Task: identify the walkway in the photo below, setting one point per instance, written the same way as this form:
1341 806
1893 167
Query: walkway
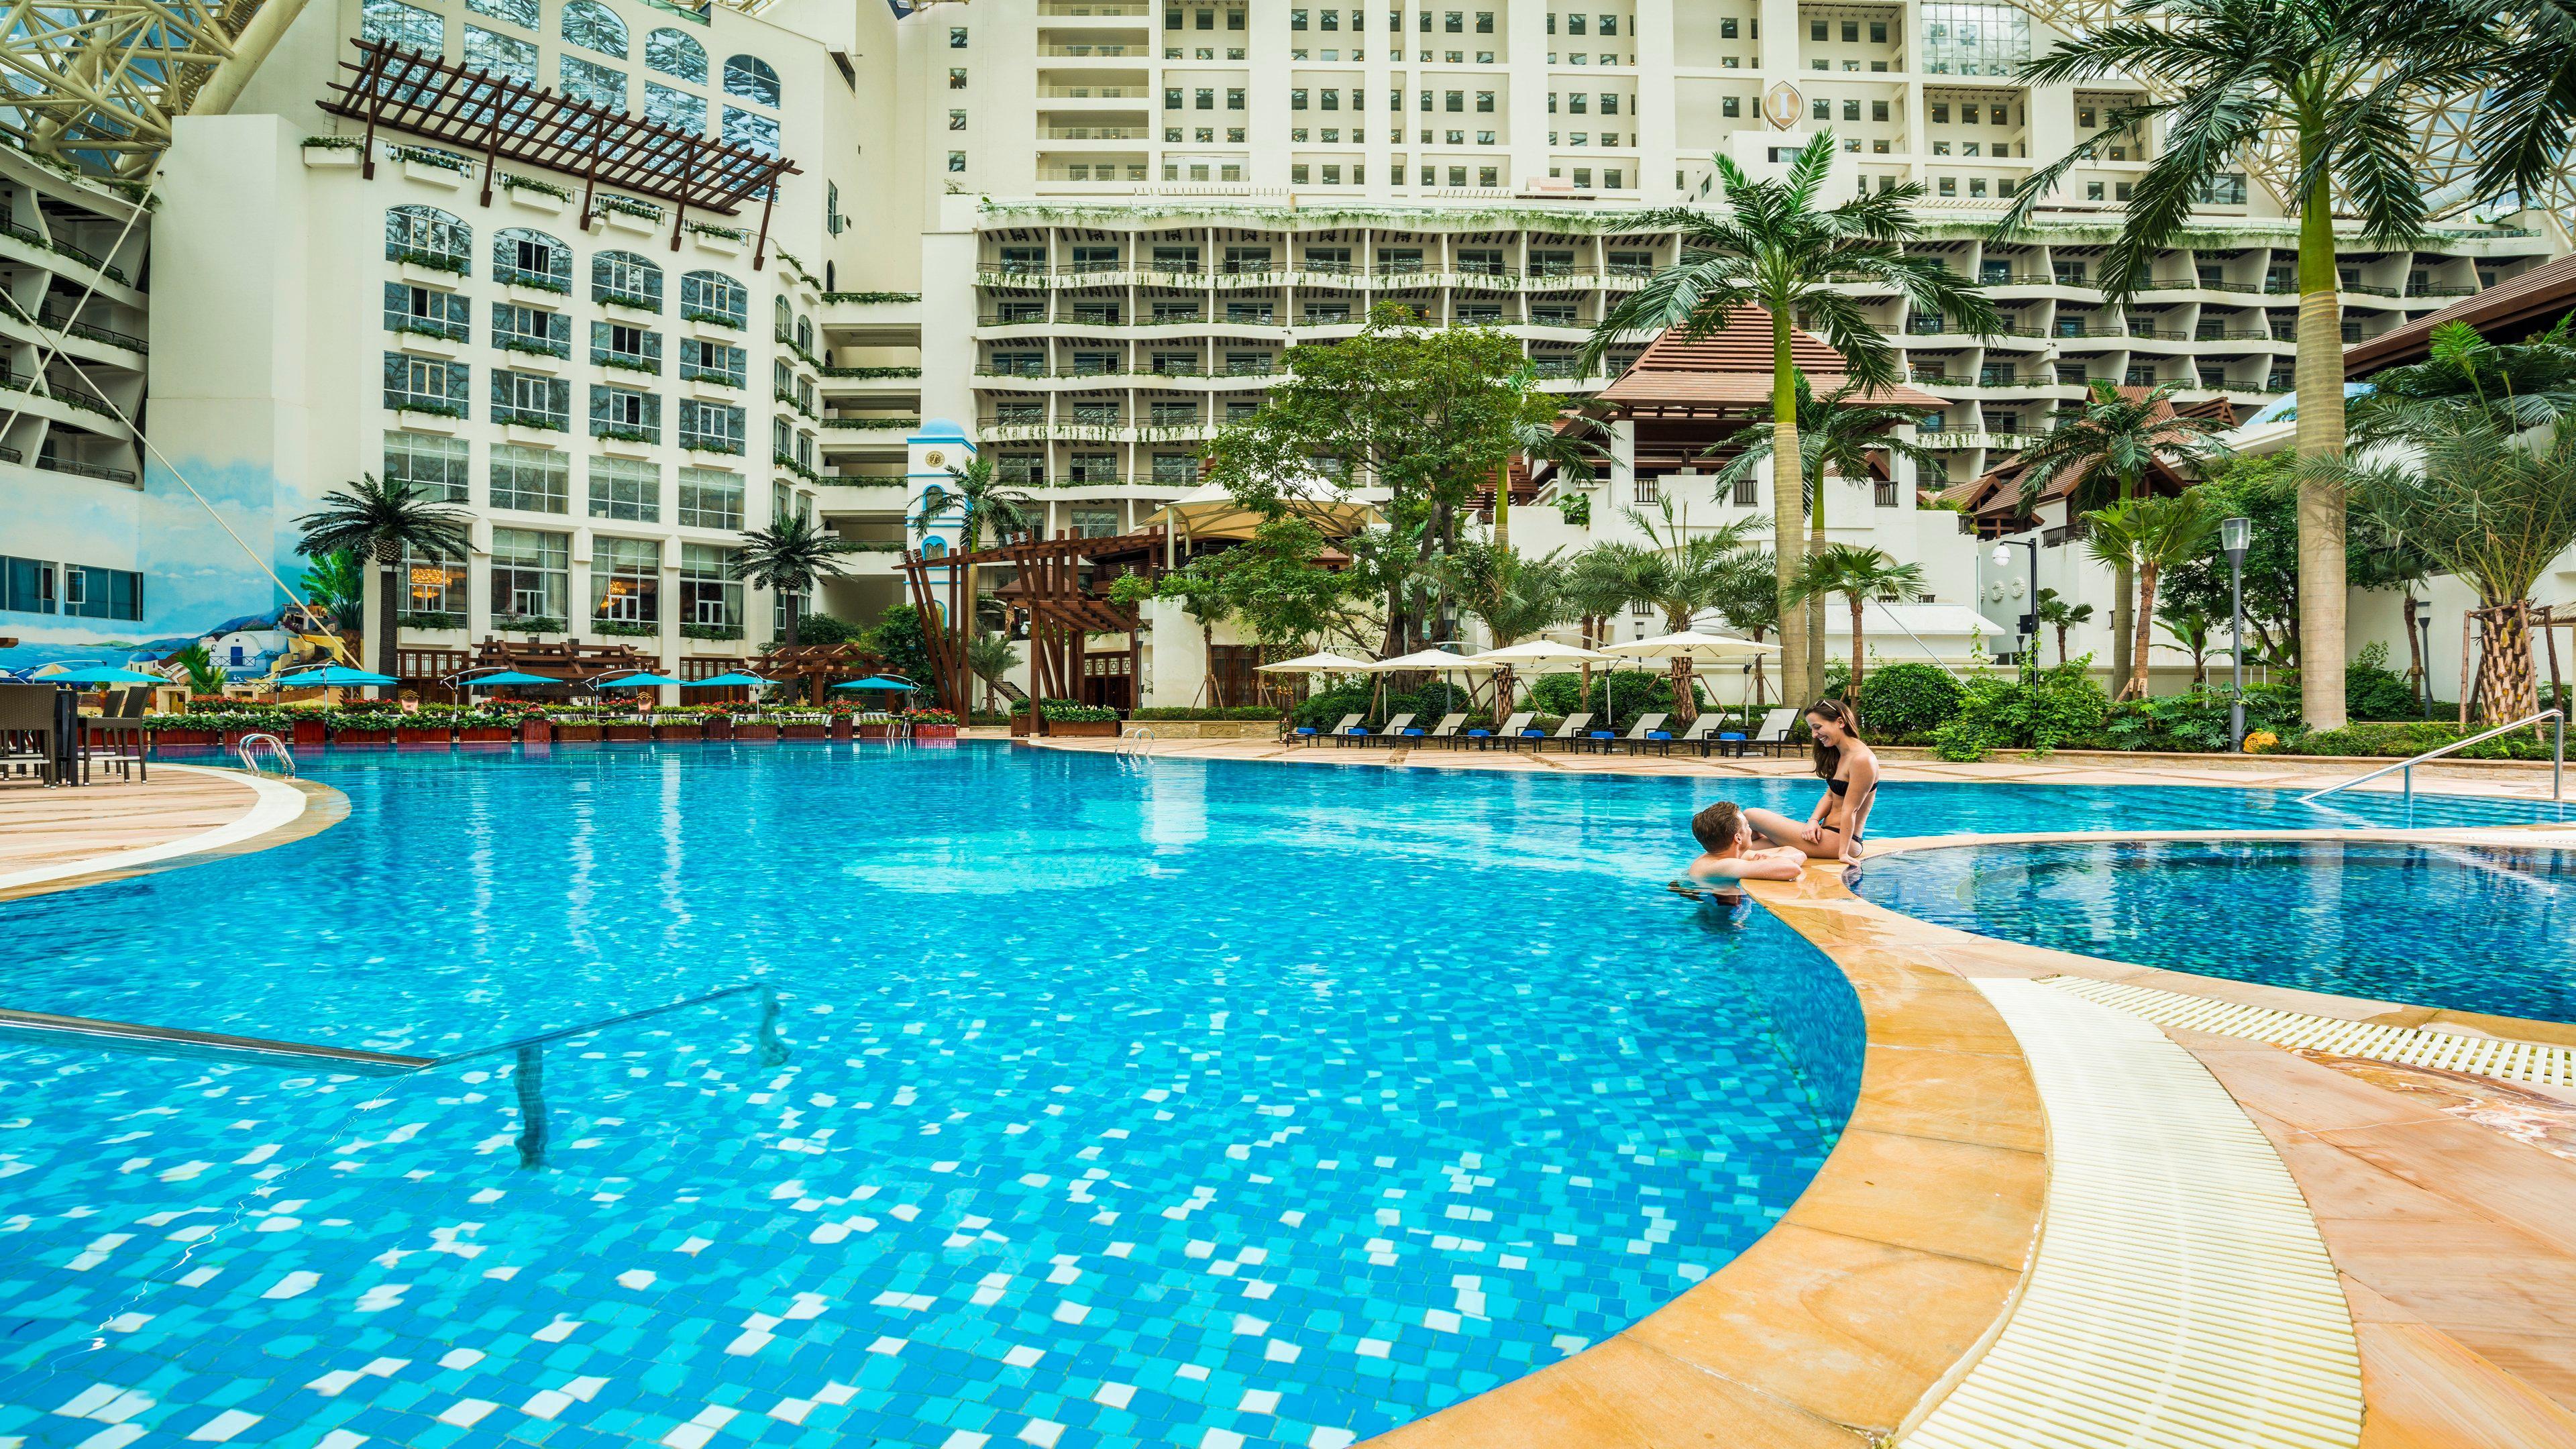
53 839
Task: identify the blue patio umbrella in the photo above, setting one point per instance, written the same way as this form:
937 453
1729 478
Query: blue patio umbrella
876 681
333 675
505 677
633 681
735 680
99 674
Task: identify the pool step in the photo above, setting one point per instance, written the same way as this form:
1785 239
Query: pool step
2181 1294
2510 1061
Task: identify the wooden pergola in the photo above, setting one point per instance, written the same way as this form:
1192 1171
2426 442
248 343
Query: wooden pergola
1059 584
817 667
570 662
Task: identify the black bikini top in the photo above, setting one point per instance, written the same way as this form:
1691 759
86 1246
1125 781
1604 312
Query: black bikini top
1839 787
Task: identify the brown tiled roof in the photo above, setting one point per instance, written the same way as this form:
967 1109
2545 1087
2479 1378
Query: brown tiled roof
1996 493
1731 368
2526 302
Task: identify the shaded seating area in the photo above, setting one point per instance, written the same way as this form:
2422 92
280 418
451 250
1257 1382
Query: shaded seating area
808 671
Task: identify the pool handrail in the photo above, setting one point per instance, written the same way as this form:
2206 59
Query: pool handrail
2557 759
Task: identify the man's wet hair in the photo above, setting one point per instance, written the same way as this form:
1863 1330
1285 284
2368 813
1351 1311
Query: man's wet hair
1718 826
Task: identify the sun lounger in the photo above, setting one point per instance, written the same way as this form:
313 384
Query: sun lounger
1446 732
1511 730
1773 736
1662 741
1308 734
1570 732
1393 732
1646 726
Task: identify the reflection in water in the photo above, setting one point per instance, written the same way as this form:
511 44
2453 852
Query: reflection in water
531 1081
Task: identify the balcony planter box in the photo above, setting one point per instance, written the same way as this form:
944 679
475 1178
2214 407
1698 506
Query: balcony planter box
707 387
693 731
623 447
802 731
752 730
630 732
311 732
434 175
483 735
934 732
535 731
418 422
628 221
526 436
341 737
576 734
320 157
841 724
180 738
418 735
533 199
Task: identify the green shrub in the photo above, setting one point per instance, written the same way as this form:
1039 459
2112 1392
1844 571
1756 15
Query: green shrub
1325 708
1068 711
1428 703
2399 739
1248 711
1557 694
2373 691
2196 720
824 629
2064 707
1908 701
1634 692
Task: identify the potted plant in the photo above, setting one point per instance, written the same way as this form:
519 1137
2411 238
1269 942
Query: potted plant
310 730
719 724
536 729
630 728
1068 718
755 727
577 729
482 727
932 724
803 729
427 728
179 731
361 727
679 725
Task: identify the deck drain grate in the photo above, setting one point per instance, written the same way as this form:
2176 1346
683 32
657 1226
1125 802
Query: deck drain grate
2510 1061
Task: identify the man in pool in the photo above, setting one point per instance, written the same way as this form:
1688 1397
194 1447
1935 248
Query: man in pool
1726 858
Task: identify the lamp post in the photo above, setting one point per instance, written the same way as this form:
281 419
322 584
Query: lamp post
2424 622
2233 535
2028 623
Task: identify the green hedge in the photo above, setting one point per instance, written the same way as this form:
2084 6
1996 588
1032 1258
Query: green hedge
1248 711
2398 739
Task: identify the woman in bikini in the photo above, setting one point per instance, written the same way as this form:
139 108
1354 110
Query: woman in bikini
1832 831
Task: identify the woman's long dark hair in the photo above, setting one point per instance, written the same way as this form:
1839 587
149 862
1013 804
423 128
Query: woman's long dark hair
1829 758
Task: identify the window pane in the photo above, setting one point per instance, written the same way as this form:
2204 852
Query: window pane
750 77
676 109
602 85
594 26
625 488
434 465
502 55
710 498
534 479
675 55
395 23
517 12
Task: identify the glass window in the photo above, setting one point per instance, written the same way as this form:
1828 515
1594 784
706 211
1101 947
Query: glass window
676 55
585 80
425 311
522 13
626 488
679 110
528 329
531 400
625 581
530 258
624 412
594 26
710 498
93 593
714 297
753 131
537 480
625 345
31 586
435 587
1974 39
710 597
500 55
394 23
626 279
710 427
531 573
702 360
750 77
425 385
434 466
430 237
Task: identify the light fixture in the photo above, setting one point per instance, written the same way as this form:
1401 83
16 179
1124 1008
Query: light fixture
2002 554
2234 534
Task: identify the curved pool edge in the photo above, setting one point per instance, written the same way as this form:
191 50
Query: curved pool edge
1871 1296
279 812
1998 952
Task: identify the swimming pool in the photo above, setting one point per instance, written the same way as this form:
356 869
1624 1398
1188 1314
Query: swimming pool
1194 1104
2470 928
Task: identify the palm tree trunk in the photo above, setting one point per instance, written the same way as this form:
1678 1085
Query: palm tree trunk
1503 504
2124 582
1503 692
2061 643
2320 435
1851 692
1685 708
2415 672
388 601
1788 513
1816 606
2136 688
2506 690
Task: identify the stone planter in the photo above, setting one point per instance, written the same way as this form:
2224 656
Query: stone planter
757 732
577 734
340 737
934 732
421 736
483 735
1210 729
803 731
630 733
692 731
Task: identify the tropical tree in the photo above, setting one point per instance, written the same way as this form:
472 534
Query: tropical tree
1836 434
380 522
1775 247
1749 602
1682 573
2191 629
986 506
789 558
2331 87
1512 595
337 582
2146 536
1859 575
2494 508
991 657
198 667
2513 385
2101 455
2057 614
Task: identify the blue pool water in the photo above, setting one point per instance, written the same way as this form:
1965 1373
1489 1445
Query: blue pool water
1190 1104
2473 929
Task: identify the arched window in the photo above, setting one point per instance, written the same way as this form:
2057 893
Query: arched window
529 258
934 548
783 319
429 236
517 12
594 26
750 77
625 278
714 297
805 333
676 55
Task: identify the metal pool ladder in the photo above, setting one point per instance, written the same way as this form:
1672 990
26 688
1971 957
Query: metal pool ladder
2557 760
248 749
1135 741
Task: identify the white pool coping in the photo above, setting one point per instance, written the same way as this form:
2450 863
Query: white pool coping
278 804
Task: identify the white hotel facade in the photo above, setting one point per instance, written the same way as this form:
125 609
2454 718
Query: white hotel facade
1077 235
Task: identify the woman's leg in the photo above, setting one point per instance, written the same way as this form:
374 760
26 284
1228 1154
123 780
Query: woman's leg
1779 829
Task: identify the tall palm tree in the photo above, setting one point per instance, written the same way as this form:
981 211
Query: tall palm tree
1776 247
1685 572
2331 83
2101 456
1513 596
2148 536
2057 614
379 522
789 558
1836 434
1859 575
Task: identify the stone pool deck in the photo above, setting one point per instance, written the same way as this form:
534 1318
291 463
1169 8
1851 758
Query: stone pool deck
2445 1202
58 839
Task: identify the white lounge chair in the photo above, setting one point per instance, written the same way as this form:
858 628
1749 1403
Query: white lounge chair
1697 733
1394 731
1570 732
1510 731
1646 724
1308 734
1446 732
1773 736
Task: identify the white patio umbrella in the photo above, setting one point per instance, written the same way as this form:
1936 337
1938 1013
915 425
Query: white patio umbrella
1438 661
1321 662
1537 654
1694 646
